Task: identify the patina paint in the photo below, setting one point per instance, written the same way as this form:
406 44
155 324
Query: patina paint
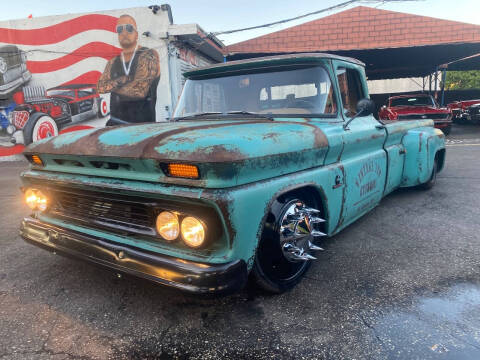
244 165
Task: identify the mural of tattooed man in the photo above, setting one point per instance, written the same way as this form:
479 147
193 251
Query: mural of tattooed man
132 77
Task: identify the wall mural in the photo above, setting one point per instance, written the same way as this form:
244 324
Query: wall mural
67 73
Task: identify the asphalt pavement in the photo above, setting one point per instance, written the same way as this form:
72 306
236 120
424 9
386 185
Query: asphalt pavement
403 282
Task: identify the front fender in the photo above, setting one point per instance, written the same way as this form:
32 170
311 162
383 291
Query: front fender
421 145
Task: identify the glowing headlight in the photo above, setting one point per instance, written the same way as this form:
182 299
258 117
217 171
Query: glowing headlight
36 200
167 225
193 232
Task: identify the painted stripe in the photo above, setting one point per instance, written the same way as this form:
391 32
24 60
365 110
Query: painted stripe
58 32
95 49
75 128
54 51
12 150
90 77
55 78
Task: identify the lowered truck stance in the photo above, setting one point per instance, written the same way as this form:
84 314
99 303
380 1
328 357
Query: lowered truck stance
261 160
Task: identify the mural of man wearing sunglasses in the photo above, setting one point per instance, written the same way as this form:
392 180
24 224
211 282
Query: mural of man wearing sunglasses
132 77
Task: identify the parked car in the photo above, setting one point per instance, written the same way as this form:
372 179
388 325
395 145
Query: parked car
262 159
418 106
461 111
43 113
13 70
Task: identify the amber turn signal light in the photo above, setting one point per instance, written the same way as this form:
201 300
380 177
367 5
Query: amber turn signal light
183 170
35 159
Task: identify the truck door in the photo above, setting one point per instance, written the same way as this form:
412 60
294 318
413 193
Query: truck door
363 158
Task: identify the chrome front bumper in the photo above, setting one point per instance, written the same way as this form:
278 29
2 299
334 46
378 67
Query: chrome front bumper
185 275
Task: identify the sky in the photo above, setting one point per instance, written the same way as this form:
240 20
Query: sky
216 15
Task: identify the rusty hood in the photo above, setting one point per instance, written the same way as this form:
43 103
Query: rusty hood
227 153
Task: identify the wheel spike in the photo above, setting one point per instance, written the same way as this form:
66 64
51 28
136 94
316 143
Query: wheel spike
314 247
318 233
316 220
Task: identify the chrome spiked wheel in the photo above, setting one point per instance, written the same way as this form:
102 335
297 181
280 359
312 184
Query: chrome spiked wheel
286 246
297 232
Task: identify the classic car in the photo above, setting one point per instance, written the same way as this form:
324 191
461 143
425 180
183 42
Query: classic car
262 159
13 70
418 106
461 111
42 114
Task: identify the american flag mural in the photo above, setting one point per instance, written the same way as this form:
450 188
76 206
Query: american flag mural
50 68
66 52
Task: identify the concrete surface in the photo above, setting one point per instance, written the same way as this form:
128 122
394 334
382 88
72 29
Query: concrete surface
403 282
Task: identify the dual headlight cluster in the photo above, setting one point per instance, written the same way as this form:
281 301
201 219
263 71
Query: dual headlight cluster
191 229
168 224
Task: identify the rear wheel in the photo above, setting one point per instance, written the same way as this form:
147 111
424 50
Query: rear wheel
102 107
285 249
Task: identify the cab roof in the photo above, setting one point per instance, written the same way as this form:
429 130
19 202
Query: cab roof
300 58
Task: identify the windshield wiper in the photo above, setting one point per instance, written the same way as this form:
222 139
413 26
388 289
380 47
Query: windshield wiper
239 112
242 112
196 115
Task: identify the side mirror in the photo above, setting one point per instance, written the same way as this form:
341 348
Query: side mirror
365 107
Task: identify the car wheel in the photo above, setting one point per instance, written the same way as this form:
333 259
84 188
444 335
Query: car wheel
285 249
103 108
39 126
433 178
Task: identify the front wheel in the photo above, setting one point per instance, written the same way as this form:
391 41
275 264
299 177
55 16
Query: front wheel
285 249
39 126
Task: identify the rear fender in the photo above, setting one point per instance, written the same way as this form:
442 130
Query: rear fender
421 145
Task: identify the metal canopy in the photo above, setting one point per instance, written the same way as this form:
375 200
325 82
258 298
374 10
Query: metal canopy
404 62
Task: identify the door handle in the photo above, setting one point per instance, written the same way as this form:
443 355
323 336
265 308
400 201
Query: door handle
379 127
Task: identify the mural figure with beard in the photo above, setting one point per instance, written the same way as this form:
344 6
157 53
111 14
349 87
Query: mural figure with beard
131 78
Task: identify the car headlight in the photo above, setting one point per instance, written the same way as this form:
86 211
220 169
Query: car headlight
3 66
36 200
193 231
167 225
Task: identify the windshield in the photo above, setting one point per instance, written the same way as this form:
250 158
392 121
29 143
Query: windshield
412 101
299 91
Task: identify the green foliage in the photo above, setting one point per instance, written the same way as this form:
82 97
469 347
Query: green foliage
462 80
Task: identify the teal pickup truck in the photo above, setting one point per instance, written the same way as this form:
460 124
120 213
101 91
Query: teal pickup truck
262 158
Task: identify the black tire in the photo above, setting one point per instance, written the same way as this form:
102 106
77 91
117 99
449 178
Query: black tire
433 178
271 270
29 128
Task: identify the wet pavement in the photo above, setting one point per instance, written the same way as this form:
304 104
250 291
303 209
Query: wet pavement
403 282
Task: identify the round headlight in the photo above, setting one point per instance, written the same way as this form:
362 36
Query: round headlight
31 199
3 66
36 200
167 225
42 201
193 232
11 129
